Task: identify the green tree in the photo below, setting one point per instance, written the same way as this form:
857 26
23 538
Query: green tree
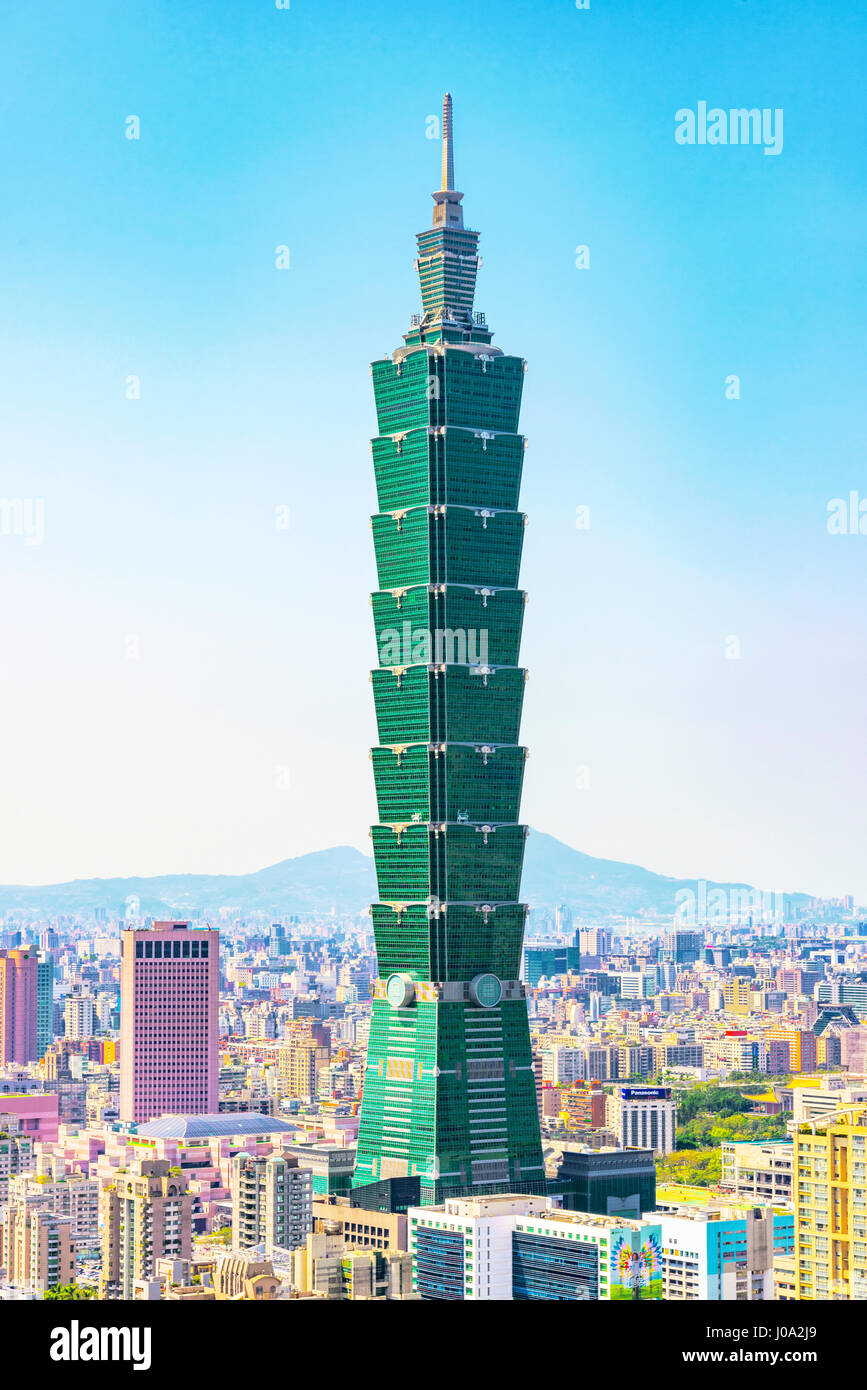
696 1168
61 1292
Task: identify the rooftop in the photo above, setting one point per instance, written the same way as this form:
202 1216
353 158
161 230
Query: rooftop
678 1199
245 1122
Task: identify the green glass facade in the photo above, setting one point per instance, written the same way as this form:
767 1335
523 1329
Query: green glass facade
449 1090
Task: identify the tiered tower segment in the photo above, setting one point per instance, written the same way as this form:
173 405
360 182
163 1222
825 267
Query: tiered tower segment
449 1089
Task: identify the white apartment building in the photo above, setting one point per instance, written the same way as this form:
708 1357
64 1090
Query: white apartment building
563 1066
78 1016
74 1197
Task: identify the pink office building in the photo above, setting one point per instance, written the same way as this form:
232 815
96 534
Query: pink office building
18 993
169 994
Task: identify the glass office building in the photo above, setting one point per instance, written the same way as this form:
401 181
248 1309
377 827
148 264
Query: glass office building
449 1090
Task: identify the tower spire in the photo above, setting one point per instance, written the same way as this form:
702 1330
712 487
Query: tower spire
448 211
448 182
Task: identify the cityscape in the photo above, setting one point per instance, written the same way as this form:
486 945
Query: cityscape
475 1063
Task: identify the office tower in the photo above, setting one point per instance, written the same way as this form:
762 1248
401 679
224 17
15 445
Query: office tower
563 917
449 1091
548 961
609 1182
272 1202
146 1216
595 941
682 947
642 1117
829 1189
278 942
78 1016
522 1249
19 992
38 1248
44 1002
169 992
330 1166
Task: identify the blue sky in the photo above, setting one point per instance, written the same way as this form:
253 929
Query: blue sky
185 684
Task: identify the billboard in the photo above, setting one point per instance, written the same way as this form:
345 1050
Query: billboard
636 1264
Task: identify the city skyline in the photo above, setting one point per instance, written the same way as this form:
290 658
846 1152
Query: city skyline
165 591
343 716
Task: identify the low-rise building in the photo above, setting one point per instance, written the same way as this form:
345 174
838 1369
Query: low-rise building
366 1230
758 1171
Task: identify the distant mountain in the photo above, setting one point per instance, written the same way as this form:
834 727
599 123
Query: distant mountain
342 879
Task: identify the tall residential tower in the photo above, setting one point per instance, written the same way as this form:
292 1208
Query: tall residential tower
449 1090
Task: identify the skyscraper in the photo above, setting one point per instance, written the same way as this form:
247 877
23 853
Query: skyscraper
169 996
19 980
449 1091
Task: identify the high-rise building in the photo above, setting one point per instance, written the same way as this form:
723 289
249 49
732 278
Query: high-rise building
736 994
331 1166
44 1002
549 960
300 1062
272 1202
78 1016
829 1190
38 1248
449 1090
66 1194
19 983
802 1046
682 947
642 1117
146 1216
169 990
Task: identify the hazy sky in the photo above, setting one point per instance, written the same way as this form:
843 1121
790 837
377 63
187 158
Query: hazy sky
184 682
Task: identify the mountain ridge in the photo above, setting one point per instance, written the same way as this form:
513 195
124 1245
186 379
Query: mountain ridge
342 879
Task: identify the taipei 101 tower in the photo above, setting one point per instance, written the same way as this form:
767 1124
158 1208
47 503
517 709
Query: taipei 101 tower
449 1089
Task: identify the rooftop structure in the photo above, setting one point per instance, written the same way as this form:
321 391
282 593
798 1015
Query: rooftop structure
214 1126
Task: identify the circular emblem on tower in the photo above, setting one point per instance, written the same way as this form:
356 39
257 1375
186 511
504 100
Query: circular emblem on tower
486 991
399 991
